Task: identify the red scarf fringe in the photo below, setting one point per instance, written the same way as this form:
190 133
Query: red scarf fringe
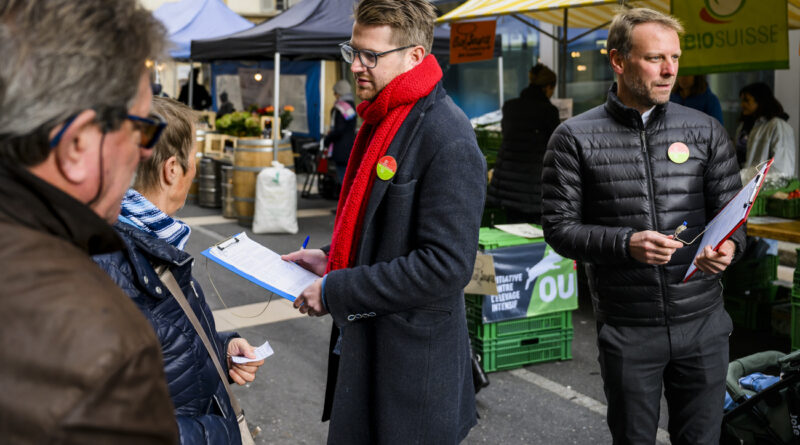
383 117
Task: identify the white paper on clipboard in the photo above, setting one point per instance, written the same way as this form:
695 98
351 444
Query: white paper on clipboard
733 215
260 265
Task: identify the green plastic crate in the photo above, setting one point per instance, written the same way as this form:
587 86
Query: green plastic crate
489 238
524 326
784 208
509 353
795 333
759 206
748 274
749 312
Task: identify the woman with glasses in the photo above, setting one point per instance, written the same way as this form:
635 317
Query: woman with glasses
155 239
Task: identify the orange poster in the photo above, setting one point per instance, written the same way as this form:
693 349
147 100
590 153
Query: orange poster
471 41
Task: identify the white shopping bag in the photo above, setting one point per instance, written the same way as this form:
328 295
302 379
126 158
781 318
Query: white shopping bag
276 200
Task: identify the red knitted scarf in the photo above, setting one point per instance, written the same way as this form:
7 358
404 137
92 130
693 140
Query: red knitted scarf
382 118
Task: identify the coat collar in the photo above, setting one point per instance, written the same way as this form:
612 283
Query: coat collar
27 200
628 116
398 149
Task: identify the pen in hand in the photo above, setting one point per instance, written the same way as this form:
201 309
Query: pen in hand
305 242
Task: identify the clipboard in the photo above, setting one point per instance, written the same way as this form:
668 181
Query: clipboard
260 265
731 217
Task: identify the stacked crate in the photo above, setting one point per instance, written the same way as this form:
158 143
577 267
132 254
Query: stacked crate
750 292
795 332
514 343
489 141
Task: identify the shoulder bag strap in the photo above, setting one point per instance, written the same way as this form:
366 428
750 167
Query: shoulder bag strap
169 280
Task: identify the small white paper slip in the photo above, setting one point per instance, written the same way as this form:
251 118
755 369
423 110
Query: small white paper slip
262 352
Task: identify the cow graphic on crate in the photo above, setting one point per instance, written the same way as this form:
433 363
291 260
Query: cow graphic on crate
545 264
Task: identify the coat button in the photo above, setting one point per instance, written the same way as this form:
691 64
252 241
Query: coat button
351 317
146 280
158 290
372 314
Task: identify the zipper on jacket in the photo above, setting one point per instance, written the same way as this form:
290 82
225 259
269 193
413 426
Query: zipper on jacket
653 219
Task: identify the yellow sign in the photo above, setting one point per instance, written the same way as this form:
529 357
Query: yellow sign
732 35
471 41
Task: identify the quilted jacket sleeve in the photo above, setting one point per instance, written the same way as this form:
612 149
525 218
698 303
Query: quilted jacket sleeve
207 429
562 201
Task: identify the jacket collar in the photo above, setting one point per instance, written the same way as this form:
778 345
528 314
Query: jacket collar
145 252
534 93
628 116
29 201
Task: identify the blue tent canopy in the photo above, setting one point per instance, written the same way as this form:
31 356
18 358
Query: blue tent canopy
197 19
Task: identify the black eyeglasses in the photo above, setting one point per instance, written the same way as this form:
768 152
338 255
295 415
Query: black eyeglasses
367 58
150 129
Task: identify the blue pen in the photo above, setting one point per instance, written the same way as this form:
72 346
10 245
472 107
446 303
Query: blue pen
305 243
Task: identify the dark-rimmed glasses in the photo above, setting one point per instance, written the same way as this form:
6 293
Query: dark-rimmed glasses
150 129
367 58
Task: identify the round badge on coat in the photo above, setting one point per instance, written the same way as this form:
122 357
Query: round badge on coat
678 153
387 166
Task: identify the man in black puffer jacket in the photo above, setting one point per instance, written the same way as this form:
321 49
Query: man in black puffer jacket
618 180
528 122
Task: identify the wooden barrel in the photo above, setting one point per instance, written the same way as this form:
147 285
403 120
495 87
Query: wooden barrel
250 156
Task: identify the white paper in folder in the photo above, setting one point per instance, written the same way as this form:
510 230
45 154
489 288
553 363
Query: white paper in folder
261 265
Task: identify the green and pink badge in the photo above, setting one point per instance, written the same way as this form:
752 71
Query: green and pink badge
678 153
387 166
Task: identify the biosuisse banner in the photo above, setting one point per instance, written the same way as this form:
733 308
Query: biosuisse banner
532 279
732 35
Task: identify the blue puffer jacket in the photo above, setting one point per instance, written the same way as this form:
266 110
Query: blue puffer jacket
202 406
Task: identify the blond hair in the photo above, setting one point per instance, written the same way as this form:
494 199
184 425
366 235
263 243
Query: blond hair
176 140
411 20
621 29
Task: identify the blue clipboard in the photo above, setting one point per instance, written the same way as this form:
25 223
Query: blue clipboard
222 245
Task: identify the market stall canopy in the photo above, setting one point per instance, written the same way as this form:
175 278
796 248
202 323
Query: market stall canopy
582 13
311 29
197 19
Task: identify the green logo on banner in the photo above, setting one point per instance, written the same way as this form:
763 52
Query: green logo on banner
732 35
555 284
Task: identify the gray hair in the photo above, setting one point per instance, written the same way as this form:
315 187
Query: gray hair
65 56
621 29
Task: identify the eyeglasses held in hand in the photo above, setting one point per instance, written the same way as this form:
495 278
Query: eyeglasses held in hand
150 129
367 58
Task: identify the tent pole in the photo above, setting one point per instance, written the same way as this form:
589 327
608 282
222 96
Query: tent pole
276 88
191 83
562 63
500 80
321 98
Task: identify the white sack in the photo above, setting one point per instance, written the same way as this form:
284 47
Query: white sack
276 200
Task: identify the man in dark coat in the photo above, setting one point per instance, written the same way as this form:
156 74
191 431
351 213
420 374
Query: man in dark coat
404 244
80 365
618 181
528 121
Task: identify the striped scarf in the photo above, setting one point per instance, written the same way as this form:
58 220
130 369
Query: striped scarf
142 214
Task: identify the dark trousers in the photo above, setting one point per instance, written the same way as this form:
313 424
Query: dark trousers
689 361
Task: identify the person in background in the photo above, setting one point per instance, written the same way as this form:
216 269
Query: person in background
342 134
763 132
225 106
79 364
153 237
618 181
403 246
694 92
201 100
528 121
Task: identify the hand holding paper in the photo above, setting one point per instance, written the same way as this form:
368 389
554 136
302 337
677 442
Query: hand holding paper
244 360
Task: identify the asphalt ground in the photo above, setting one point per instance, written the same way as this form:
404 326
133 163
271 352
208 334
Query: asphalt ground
549 403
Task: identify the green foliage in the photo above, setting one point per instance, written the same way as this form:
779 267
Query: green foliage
239 124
